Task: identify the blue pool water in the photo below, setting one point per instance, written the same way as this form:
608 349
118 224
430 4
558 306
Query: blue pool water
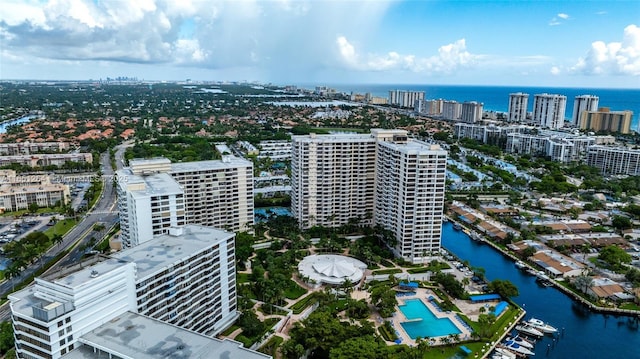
266 211
429 326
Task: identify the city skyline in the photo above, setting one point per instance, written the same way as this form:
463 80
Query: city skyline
588 44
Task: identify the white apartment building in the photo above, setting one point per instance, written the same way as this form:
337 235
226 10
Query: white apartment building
614 160
27 148
583 103
18 192
185 278
381 179
429 107
471 112
405 98
486 133
409 196
560 147
332 179
275 150
40 160
451 110
518 103
154 339
155 194
548 110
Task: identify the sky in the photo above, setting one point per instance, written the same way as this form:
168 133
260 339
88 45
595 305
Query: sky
566 43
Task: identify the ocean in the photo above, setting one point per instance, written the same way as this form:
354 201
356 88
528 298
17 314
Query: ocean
496 98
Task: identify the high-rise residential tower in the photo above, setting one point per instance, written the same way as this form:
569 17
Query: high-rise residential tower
471 112
383 179
518 107
548 110
404 98
155 194
583 103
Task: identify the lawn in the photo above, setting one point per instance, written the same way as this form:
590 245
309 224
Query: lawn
271 346
387 271
294 291
242 278
300 305
61 227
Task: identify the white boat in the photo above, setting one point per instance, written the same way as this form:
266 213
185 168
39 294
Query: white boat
542 326
521 341
529 330
517 348
520 265
501 353
531 271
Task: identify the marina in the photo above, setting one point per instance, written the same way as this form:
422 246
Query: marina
581 333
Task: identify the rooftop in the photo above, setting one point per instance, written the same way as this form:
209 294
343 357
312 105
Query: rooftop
167 249
154 184
136 336
226 162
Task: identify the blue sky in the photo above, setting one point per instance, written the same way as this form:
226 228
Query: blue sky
527 43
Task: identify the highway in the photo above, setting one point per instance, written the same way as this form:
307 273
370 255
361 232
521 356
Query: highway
104 211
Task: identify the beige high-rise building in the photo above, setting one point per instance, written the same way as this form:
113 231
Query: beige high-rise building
155 194
606 120
383 179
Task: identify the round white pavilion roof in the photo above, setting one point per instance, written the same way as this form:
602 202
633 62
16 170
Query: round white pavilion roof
332 269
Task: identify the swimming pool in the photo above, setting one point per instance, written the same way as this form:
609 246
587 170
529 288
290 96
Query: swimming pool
429 325
266 211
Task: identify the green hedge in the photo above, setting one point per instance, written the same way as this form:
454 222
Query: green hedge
387 271
300 305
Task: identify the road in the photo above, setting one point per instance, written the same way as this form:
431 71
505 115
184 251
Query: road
104 211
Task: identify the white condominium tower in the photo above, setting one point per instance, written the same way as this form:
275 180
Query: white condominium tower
185 278
548 110
471 112
383 179
155 194
332 179
518 107
583 103
405 98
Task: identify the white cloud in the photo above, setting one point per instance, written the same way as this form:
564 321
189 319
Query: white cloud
205 34
555 70
559 19
614 58
450 58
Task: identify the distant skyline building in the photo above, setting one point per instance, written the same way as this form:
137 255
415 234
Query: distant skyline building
583 103
155 194
185 278
371 180
549 110
451 110
606 120
518 103
404 98
471 112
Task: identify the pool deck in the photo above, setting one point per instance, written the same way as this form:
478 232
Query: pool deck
423 294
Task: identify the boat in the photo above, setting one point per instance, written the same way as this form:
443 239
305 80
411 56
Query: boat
501 353
531 271
529 330
517 348
520 265
466 231
542 326
457 226
521 341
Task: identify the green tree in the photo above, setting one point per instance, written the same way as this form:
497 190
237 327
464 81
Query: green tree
6 337
621 222
33 207
360 347
384 299
614 256
505 288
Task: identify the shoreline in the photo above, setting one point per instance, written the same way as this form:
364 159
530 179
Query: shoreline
563 289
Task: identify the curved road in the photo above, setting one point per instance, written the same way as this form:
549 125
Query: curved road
104 211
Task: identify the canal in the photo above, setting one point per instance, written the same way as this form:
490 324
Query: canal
586 334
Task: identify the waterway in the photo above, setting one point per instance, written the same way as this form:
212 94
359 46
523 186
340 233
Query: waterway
17 121
586 334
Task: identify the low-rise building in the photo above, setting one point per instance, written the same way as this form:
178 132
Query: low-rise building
18 192
41 160
27 148
557 265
